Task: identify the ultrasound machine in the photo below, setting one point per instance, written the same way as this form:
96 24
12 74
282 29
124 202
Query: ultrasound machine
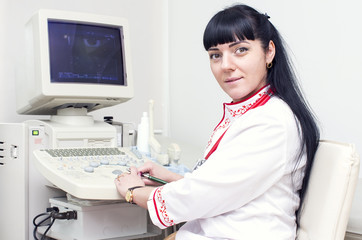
57 175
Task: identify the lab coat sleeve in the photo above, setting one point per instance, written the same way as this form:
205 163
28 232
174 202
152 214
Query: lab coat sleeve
251 157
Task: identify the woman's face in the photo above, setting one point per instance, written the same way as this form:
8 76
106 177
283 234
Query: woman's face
240 67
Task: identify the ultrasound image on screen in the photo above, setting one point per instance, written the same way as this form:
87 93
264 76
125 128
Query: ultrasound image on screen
82 53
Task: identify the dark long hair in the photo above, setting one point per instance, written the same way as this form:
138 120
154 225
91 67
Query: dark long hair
242 22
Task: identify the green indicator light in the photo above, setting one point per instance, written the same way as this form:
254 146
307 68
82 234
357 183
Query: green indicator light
35 132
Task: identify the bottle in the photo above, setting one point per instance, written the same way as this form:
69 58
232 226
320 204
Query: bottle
143 134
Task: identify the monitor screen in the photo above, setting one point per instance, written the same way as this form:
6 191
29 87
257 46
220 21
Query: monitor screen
82 53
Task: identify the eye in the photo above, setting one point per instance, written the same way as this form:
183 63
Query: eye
241 50
214 56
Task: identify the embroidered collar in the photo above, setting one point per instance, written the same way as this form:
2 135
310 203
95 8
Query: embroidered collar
233 111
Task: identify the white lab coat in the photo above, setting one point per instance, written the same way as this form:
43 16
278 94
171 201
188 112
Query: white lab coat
246 189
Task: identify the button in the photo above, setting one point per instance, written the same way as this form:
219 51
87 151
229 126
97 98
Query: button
117 172
89 169
122 162
94 164
104 162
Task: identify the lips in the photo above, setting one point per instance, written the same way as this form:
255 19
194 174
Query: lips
234 79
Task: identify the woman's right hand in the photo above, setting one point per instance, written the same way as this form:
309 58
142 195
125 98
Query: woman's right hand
158 171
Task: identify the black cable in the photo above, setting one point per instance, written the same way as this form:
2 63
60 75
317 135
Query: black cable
64 215
48 228
53 214
36 225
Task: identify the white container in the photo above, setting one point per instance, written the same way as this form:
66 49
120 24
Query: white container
143 134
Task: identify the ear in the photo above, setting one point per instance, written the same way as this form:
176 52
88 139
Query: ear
270 52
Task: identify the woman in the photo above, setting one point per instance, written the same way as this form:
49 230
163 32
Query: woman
258 159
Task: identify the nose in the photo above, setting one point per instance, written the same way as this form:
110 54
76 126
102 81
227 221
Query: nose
227 63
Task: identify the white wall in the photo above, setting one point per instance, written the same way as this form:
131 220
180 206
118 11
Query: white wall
146 18
324 37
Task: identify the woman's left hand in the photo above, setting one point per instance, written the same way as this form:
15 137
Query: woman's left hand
125 181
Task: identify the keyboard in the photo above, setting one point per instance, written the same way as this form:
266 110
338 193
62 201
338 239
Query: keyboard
87 173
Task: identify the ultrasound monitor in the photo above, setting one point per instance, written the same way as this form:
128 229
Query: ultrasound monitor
74 60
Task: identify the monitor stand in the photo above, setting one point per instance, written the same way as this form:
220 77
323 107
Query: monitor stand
73 116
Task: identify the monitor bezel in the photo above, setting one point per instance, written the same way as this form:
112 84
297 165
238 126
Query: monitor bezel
43 97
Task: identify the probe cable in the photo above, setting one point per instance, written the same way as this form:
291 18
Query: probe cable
40 224
53 214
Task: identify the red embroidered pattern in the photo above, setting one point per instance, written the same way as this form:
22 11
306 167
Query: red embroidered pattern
161 210
240 111
225 125
244 108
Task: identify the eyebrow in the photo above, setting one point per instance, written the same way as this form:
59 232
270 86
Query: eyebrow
231 45
236 43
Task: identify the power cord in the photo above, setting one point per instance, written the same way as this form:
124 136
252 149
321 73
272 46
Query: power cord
51 215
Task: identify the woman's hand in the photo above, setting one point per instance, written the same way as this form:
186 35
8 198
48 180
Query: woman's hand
125 181
158 171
